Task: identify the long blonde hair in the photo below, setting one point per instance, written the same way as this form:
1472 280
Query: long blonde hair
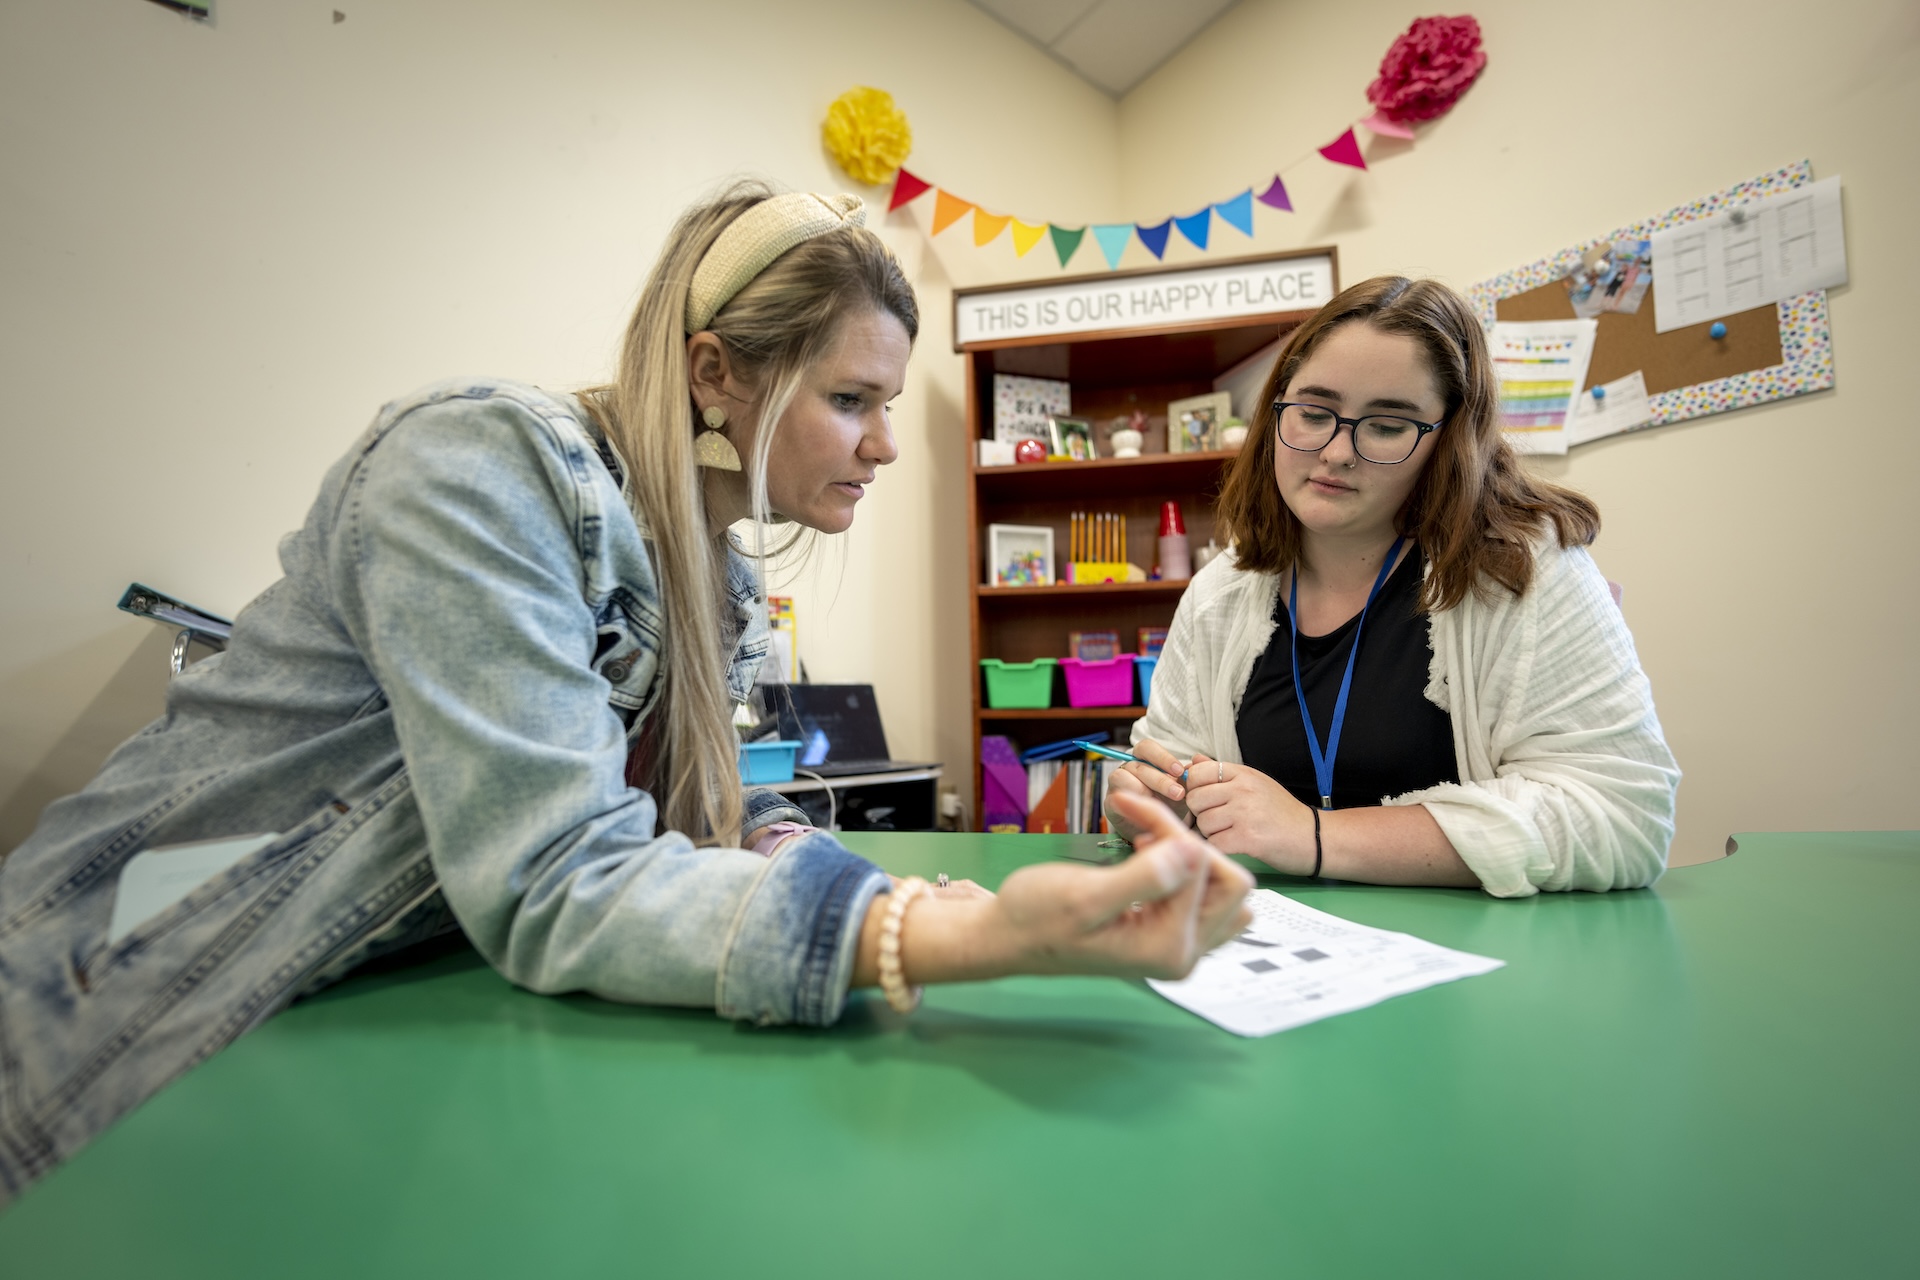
774 330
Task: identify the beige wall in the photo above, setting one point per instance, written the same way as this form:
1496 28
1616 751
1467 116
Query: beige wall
227 246
1768 555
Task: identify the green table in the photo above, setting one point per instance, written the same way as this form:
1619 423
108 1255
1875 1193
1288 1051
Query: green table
1717 1077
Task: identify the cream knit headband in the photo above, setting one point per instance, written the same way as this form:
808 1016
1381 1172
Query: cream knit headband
755 238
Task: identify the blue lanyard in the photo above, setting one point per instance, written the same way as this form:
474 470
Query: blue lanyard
1323 761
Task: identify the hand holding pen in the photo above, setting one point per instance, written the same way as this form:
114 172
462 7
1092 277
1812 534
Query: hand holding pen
1151 769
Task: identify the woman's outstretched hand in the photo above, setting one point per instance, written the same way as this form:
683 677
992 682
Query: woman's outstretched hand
1152 916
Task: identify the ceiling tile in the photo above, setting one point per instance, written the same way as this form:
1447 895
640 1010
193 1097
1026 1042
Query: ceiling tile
1041 21
1121 42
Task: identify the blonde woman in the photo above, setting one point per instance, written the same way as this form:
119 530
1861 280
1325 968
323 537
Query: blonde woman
1408 670
494 692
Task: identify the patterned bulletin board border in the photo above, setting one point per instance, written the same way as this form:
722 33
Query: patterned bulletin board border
1806 342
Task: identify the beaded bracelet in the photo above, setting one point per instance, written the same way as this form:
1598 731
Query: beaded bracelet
893 982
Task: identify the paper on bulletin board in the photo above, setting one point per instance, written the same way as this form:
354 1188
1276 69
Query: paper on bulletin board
1541 366
1621 406
1760 251
1800 362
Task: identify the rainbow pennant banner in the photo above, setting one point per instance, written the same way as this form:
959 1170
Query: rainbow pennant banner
1195 228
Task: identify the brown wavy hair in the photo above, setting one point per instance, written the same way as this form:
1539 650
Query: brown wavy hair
1474 511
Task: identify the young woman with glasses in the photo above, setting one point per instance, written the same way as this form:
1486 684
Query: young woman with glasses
1474 712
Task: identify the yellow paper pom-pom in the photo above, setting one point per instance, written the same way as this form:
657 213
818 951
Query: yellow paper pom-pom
867 134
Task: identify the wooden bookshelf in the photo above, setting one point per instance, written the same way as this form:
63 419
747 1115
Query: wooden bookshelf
1111 373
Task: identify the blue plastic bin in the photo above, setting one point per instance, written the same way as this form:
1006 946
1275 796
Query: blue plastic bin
768 761
1145 667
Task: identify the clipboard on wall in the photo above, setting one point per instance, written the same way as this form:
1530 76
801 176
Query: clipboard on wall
1769 353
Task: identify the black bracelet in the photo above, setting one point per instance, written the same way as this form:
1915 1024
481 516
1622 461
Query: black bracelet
1316 846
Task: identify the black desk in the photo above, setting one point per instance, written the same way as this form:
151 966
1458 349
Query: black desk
900 800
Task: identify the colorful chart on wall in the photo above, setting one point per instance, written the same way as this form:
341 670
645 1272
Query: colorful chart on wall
1765 353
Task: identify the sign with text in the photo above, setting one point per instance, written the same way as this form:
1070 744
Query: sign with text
1115 304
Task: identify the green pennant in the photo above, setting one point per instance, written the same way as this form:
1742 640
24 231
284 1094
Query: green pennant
1065 241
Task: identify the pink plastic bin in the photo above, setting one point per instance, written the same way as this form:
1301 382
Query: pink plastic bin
1099 684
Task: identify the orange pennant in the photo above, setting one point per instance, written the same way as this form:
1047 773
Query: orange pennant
988 225
1024 236
947 210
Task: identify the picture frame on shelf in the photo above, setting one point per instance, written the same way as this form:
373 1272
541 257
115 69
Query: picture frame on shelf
1070 438
1193 424
1019 555
1022 406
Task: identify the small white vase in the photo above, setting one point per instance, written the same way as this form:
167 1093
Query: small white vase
1233 437
1126 443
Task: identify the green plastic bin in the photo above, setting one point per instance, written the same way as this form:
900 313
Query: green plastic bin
1019 684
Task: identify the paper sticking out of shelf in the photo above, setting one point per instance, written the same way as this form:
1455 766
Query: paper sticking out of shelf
1294 965
995 453
1762 251
1244 382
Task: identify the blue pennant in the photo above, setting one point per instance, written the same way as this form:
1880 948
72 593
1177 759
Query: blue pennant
1196 226
1155 238
1237 212
1113 237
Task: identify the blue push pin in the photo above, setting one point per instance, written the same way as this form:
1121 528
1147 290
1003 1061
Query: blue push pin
1599 393
1718 331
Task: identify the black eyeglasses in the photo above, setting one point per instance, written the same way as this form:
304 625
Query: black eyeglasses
1380 438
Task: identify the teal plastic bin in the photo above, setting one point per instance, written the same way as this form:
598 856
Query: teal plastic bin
1145 667
762 762
1019 684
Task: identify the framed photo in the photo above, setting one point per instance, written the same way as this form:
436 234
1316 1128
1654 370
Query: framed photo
1193 424
1070 438
1021 406
1019 555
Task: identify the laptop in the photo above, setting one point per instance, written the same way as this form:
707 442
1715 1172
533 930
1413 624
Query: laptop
838 727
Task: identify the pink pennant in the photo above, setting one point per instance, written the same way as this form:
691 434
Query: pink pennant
1345 149
1379 123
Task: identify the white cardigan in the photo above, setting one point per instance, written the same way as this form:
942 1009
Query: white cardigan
1566 780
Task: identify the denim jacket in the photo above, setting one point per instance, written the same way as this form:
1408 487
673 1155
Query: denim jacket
433 707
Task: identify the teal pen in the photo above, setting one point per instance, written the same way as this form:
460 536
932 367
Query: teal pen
1114 753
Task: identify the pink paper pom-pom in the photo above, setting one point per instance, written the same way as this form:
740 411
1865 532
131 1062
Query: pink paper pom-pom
1428 68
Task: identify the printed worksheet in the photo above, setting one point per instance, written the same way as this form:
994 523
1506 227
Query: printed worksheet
1294 965
1755 253
1542 366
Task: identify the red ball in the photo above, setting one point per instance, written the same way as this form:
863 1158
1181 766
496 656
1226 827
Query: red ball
1029 451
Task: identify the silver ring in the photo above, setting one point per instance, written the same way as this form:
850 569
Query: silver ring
940 881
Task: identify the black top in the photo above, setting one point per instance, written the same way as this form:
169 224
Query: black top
1394 741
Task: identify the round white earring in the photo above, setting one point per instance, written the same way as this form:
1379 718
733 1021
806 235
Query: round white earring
714 416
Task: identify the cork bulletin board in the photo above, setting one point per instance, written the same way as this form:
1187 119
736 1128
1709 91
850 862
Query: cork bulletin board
1769 353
